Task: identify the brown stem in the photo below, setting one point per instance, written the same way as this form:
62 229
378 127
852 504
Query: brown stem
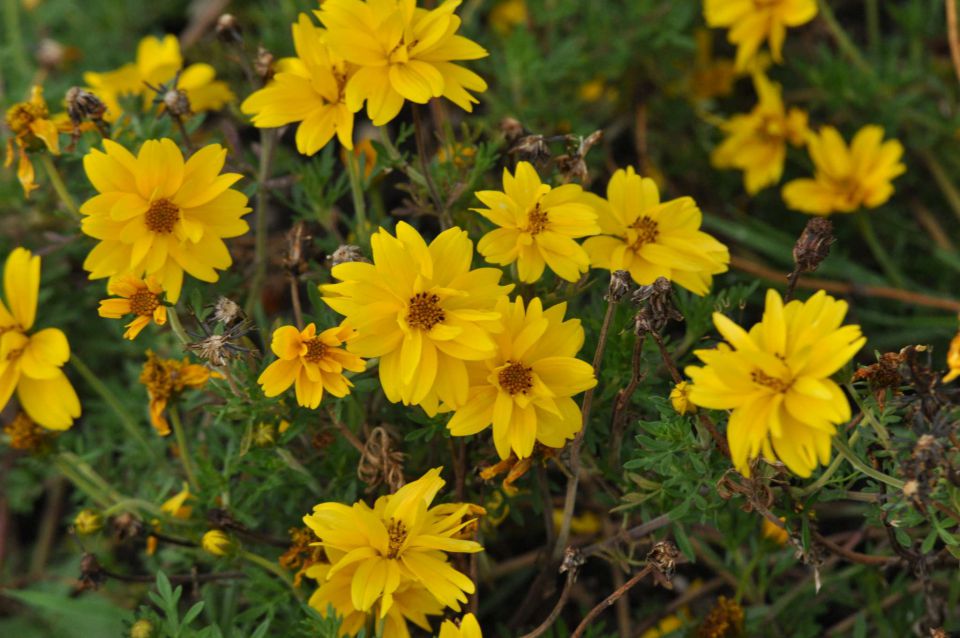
852 556
686 598
346 432
183 133
555 612
632 534
48 526
623 399
295 301
609 600
953 35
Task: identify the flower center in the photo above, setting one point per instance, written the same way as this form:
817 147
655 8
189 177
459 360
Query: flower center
316 349
760 377
21 116
425 311
647 232
143 302
536 220
161 216
397 533
515 378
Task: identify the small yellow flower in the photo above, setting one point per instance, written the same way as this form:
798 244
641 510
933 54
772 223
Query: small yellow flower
30 122
652 239
176 505
26 435
404 53
216 543
32 364
680 398
88 521
137 297
775 533
587 524
666 627
143 628
847 179
309 89
753 21
775 379
537 225
468 628
165 379
756 142
506 15
313 362
953 359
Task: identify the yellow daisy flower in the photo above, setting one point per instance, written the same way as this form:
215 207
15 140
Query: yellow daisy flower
953 359
309 90
157 63
756 142
652 239
404 53
32 364
525 389
468 628
314 362
751 22
847 179
775 379
158 215
165 379
400 540
537 225
422 311
29 122
136 297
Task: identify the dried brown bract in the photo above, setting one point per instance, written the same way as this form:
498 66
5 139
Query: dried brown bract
346 253
663 556
228 29
656 307
813 246
381 461
263 65
573 165
620 284
91 573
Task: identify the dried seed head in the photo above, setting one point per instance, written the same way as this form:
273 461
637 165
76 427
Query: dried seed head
228 29
126 526
263 64
656 307
84 105
813 246
664 556
620 283
346 253
176 102
572 560
512 130
51 54
573 165
531 148
226 311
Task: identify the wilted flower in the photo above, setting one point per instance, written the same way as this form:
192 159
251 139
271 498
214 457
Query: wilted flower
30 123
165 379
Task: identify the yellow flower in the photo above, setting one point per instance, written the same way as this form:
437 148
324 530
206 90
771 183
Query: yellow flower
158 215
525 388
401 540
753 21
143 628
651 239
176 505
158 62
422 311
88 521
680 399
953 359
29 122
775 379
587 524
666 627
310 90
136 297
508 14
26 435
164 380
314 362
216 543
538 225
31 363
756 142
468 628
411 603
775 533
847 179
404 53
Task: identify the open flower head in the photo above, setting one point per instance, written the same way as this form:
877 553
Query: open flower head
847 179
157 63
31 364
404 53
32 127
137 297
165 379
756 142
422 310
401 540
652 239
467 628
312 362
309 89
751 22
525 390
775 379
537 225
158 215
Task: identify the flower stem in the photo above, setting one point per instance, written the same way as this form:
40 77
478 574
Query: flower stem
57 182
273 568
830 471
359 205
419 132
940 176
844 43
396 156
869 417
879 252
856 462
181 437
66 466
174 320
268 140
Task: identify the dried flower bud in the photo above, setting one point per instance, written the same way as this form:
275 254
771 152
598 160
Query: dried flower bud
91 573
263 65
725 620
573 165
226 311
620 283
531 148
813 246
346 253
84 105
126 526
512 130
228 29
572 560
664 556
51 54
143 628
656 306
87 522
217 543
177 103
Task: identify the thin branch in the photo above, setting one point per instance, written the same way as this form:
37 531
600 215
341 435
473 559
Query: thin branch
555 612
610 600
953 35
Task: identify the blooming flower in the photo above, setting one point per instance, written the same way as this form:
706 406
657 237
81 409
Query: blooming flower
404 53
158 215
314 362
310 90
537 225
652 239
158 62
401 540
32 364
422 311
525 388
756 142
775 379
165 379
30 121
468 628
953 359
847 178
753 21
137 297
88 521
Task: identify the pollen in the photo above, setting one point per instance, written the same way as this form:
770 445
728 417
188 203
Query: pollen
424 311
316 350
760 377
162 216
516 378
537 220
647 232
143 302
397 534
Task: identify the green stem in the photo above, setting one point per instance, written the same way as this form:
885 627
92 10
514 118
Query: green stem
940 176
185 458
273 568
880 253
844 43
57 181
869 417
397 157
126 420
268 140
174 320
93 492
14 44
359 204
873 25
829 472
848 454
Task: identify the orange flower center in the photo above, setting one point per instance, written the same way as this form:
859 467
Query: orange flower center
20 116
537 220
760 377
316 350
397 534
424 311
515 378
162 216
647 232
143 302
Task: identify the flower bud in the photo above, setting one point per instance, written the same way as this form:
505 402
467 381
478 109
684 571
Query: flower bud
680 399
228 29
814 243
143 628
87 522
217 543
